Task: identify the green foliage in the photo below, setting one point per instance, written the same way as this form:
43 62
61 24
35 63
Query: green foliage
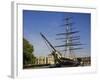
28 57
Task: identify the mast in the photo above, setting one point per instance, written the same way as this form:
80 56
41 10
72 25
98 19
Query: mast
70 39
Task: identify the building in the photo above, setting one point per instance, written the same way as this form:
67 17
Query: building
50 59
45 60
41 60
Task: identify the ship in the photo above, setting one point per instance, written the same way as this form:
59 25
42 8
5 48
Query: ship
71 43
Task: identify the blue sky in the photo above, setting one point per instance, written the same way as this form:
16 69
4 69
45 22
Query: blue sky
49 23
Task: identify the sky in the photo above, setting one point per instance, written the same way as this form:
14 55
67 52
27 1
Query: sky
50 23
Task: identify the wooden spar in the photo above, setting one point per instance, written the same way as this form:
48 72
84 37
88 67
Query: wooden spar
48 42
69 33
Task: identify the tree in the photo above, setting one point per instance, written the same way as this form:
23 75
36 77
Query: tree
28 49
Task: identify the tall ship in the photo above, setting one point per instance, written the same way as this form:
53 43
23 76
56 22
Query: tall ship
71 43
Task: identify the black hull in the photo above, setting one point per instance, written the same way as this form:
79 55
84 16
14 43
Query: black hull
66 62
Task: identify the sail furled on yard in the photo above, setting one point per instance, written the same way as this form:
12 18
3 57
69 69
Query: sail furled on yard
69 37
